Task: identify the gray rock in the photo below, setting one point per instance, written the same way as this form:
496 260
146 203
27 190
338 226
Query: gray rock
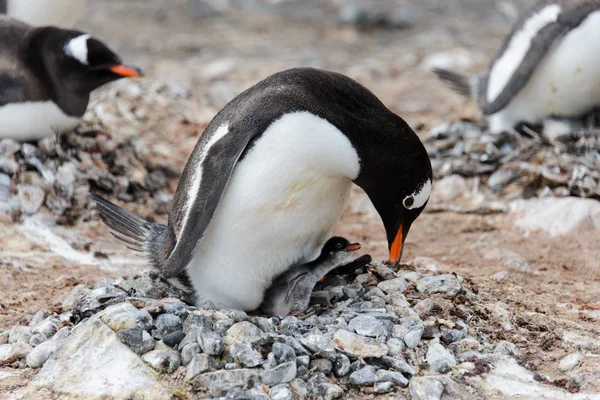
318 343
188 352
47 327
243 332
165 324
502 348
41 353
210 342
37 339
447 284
451 335
283 353
398 364
8 166
431 330
353 291
9 353
384 387
395 347
367 326
302 373
92 343
571 361
341 365
246 356
281 392
364 377
299 388
138 340
425 389
321 365
414 335
124 315
174 338
302 361
439 359
263 323
197 319
199 364
31 198
393 285
19 333
163 360
358 346
323 388
222 326
392 376
283 373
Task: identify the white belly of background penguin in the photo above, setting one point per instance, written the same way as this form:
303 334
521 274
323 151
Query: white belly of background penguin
269 178
549 66
33 120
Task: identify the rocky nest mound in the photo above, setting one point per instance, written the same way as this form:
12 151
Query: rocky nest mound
377 331
107 153
519 165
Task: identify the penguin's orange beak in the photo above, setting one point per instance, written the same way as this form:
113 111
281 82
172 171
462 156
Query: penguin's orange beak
352 247
125 71
397 246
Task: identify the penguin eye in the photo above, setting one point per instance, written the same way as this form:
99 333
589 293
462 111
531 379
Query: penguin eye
408 202
339 246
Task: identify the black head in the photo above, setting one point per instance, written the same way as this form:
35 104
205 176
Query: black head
335 245
396 175
74 63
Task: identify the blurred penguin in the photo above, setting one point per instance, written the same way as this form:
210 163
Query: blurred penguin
59 13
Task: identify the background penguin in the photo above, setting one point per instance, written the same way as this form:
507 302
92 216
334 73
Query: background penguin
548 66
60 13
271 173
291 290
46 76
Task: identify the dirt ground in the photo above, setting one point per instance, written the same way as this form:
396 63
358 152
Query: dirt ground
217 58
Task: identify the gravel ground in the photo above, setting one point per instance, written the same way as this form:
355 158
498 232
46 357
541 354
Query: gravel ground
525 297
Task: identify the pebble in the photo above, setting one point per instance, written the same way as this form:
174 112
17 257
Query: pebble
447 284
439 359
245 355
392 376
10 353
47 327
165 324
163 360
353 290
188 352
174 338
393 285
321 387
37 339
137 340
31 198
571 361
210 342
283 353
414 335
384 387
358 346
341 365
281 392
395 347
425 389
451 335
242 332
321 365
319 343
364 377
20 333
367 326
199 364
124 315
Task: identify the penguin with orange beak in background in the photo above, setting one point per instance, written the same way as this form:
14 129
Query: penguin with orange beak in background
271 174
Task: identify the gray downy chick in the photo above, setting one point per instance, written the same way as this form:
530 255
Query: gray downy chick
291 290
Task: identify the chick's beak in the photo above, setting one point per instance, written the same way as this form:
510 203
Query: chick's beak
353 247
126 71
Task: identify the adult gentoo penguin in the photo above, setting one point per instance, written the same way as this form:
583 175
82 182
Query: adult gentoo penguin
46 76
60 13
271 174
548 66
291 290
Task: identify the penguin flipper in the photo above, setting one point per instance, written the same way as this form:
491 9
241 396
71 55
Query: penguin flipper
206 176
547 37
460 83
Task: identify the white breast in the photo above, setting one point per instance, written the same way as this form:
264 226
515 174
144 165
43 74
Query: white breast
61 13
33 120
279 208
566 83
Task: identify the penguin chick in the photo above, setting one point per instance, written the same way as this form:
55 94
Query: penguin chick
547 67
291 290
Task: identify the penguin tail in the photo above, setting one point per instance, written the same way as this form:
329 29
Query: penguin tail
461 84
128 228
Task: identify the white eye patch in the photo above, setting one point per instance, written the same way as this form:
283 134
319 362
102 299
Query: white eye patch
77 48
419 197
